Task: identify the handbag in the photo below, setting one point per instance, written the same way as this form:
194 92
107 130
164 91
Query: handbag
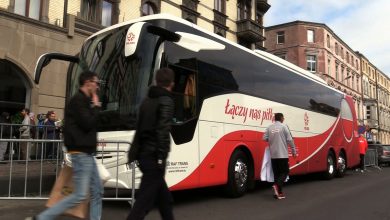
64 187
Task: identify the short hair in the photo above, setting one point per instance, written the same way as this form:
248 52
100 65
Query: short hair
164 77
85 76
49 113
27 110
278 116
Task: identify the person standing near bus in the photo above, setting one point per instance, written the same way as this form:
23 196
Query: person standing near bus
81 117
151 146
363 145
25 134
279 137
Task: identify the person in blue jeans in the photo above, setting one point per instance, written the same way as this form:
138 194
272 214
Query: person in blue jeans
81 116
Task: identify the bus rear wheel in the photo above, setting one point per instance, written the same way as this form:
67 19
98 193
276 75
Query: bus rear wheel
238 175
341 165
330 166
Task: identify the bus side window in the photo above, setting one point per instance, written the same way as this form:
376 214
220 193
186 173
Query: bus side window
185 97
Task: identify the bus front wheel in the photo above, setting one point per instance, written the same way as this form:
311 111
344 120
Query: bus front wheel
238 175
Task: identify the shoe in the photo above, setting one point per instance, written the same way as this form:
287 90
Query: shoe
31 218
281 196
276 191
362 171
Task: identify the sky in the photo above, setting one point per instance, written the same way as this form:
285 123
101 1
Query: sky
362 24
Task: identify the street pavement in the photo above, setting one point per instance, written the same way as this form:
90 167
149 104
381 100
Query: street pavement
357 196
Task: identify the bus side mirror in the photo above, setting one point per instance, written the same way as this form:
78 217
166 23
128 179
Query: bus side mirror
45 59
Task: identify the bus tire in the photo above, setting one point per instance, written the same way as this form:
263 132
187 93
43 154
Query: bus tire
330 166
238 175
341 165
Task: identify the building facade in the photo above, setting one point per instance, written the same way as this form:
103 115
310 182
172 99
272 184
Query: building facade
31 28
316 48
370 102
383 94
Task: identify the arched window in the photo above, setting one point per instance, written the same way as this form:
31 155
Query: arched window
14 88
148 9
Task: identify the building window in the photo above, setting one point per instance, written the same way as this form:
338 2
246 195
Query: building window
329 73
328 41
353 82
148 9
219 5
357 84
336 48
283 56
280 37
311 63
310 36
347 57
337 71
342 53
244 9
28 8
107 13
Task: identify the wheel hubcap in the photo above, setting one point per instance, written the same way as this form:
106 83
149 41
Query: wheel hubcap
331 165
240 173
341 164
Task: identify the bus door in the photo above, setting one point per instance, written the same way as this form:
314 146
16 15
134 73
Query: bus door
183 159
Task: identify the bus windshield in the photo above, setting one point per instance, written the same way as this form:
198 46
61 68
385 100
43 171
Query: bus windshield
124 80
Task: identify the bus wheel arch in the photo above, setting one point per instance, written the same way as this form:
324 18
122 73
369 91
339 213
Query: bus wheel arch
240 172
331 165
342 163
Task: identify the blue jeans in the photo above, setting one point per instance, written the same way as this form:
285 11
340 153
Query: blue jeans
86 182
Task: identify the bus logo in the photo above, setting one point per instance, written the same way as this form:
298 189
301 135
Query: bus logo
306 121
130 38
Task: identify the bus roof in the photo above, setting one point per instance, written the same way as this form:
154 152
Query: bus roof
262 54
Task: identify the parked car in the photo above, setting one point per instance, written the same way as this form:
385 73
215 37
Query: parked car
383 153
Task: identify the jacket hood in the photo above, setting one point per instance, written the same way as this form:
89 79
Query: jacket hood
156 91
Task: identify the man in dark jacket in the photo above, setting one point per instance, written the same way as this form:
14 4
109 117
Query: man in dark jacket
151 146
81 115
5 133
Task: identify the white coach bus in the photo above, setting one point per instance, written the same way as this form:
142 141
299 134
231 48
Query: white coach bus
225 97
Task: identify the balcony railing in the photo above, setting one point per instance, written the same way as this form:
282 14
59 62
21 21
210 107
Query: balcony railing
250 31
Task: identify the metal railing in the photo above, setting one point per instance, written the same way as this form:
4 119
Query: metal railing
371 158
33 179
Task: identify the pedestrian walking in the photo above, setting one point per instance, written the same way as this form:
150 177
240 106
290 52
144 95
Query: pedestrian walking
279 137
25 133
5 133
151 146
363 145
81 116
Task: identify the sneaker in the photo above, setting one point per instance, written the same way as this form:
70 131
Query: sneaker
281 196
30 218
276 191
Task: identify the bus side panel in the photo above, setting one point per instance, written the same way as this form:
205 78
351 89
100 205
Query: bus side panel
353 152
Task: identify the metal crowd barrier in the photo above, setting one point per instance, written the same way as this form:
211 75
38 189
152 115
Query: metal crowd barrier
33 179
371 158
36 132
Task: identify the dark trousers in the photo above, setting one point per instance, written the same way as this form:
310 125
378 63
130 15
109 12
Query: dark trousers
362 161
153 190
280 169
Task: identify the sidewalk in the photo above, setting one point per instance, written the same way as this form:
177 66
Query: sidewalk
36 174
20 209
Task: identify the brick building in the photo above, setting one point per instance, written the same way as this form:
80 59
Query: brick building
316 48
